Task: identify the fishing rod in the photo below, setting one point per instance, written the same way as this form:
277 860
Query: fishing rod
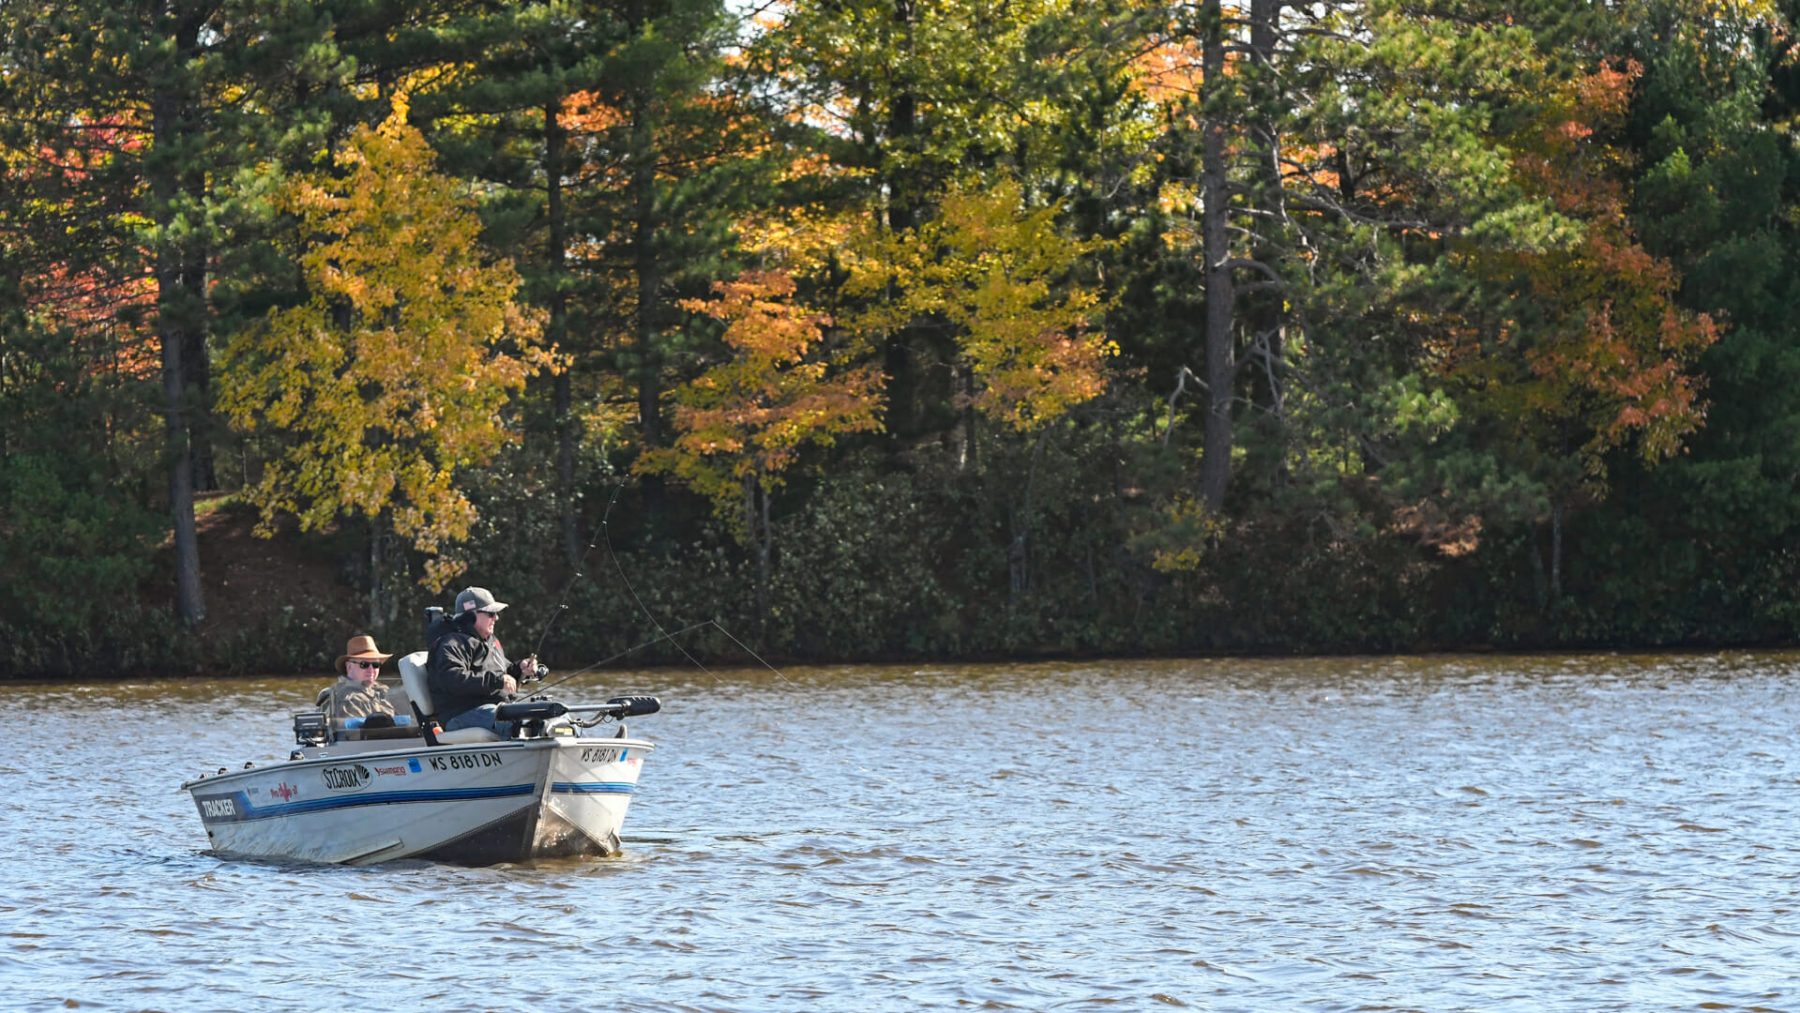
714 623
606 539
562 604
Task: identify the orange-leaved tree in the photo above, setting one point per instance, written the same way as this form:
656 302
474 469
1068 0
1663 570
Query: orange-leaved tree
392 374
1592 354
742 423
1618 367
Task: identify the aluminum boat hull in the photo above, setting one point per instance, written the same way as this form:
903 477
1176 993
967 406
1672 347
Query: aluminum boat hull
473 804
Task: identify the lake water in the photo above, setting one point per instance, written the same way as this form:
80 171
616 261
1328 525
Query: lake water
1598 832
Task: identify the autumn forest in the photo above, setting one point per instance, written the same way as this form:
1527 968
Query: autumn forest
897 329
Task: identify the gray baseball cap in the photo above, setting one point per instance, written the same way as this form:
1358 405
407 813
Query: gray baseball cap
476 599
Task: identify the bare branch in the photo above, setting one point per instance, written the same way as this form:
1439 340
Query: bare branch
1182 376
1255 265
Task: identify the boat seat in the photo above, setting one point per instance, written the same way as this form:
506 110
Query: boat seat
418 690
417 687
401 699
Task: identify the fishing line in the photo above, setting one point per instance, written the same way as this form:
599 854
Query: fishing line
662 634
606 537
621 654
714 623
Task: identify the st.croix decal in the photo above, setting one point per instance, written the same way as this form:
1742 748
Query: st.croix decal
346 777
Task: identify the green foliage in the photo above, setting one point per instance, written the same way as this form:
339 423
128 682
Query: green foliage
860 575
77 559
1510 348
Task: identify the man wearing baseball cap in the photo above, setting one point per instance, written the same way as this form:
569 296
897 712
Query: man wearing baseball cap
468 671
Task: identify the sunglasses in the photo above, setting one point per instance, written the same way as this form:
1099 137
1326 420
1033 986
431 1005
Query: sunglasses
366 664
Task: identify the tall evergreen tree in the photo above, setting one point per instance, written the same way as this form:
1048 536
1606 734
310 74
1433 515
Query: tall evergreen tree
1712 532
135 79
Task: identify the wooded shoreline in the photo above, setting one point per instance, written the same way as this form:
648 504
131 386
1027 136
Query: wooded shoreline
898 330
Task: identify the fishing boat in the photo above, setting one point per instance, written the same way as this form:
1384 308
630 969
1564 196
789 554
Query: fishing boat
559 786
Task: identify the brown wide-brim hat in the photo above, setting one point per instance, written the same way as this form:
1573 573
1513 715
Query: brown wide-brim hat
362 649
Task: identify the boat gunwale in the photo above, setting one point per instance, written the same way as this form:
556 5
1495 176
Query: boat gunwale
420 749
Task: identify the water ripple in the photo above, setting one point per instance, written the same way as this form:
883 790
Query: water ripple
1550 833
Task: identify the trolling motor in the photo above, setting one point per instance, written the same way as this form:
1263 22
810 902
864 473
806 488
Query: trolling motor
631 706
541 709
529 717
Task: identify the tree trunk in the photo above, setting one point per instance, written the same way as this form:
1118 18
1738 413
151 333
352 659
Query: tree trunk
557 328
180 299
968 448
649 282
644 255
903 124
377 568
1018 559
190 601
765 562
762 543
196 364
1018 552
1539 588
907 356
1556 552
196 361
1221 363
1264 314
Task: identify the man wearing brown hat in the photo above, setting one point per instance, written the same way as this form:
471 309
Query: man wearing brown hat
357 694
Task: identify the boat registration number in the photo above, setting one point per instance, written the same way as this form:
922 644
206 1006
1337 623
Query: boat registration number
599 756
465 761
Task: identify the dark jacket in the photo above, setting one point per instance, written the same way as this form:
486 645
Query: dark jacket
465 672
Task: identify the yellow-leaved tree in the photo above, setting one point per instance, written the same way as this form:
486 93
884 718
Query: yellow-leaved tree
742 423
1007 284
393 373
1001 274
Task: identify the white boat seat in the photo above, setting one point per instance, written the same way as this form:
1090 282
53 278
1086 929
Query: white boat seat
418 690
